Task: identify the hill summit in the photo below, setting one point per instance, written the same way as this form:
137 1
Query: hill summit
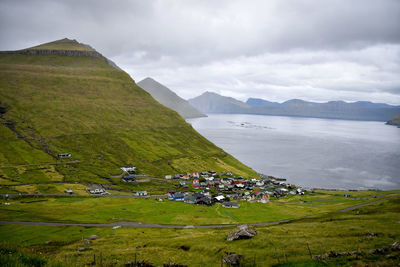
63 44
55 103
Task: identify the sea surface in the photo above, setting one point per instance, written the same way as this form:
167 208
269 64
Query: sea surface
310 152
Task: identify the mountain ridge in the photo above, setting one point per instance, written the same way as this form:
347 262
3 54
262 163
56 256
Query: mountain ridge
360 110
170 99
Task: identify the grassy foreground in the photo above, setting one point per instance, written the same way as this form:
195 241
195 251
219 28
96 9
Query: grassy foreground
366 228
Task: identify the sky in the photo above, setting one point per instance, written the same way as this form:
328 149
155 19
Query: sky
276 50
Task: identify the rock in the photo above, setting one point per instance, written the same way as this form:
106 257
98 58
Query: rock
395 246
93 237
242 233
86 242
232 259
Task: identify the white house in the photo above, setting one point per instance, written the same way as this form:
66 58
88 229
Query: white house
168 177
128 168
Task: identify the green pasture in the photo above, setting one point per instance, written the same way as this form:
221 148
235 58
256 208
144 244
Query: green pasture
285 243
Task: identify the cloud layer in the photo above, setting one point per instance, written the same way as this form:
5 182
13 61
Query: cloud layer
277 50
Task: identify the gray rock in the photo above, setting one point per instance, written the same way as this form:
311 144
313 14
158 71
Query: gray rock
93 237
244 232
232 259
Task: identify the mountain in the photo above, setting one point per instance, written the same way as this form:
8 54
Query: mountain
362 110
210 102
256 102
393 121
169 99
63 97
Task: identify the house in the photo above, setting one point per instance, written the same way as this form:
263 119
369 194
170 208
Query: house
177 197
189 199
168 177
264 199
346 195
196 175
68 191
239 185
64 155
182 183
231 205
260 183
129 178
96 190
203 201
128 168
141 193
185 177
219 198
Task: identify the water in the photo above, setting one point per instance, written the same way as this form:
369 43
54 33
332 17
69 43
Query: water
309 152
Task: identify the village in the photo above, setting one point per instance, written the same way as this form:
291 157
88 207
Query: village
212 187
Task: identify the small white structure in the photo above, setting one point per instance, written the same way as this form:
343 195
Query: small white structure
128 168
219 198
260 183
168 177
141 193
64 155
97 190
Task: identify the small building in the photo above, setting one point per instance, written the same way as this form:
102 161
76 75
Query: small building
189 199
233 205
141 193
129 178
96 190
219 198
128 168
168 177
203 200
177 197
68 191
196 175
346 195
64 155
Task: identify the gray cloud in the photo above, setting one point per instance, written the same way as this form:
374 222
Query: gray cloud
317 50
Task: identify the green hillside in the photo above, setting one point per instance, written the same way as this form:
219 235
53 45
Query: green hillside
51 104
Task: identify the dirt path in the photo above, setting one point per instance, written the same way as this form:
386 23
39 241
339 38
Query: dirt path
150 225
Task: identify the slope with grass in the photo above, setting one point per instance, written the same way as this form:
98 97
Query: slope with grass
53 104
365 229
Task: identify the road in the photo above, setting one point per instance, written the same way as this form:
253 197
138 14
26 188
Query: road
150 225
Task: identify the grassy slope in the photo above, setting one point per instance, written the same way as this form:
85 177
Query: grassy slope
105 210
345 231
83 106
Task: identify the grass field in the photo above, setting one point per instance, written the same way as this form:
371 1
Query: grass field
341 232
109 209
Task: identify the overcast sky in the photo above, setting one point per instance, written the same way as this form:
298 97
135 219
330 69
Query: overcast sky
277 50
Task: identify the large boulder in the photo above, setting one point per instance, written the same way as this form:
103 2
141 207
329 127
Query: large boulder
232 259
244 232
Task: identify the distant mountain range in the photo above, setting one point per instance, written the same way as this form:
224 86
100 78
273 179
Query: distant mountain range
168 98
362 110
